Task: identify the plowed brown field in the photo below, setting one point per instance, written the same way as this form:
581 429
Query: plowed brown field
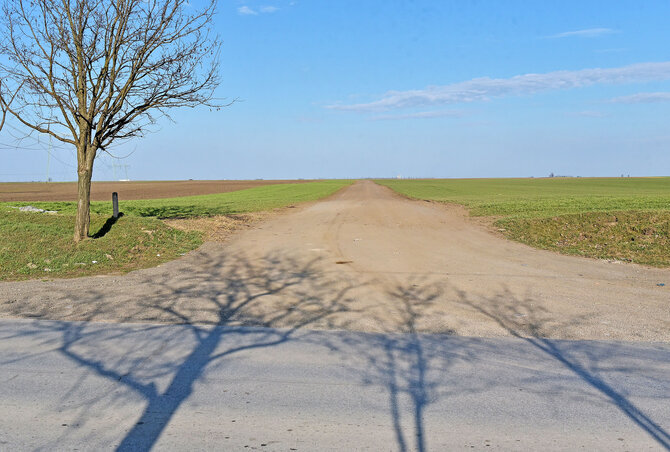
102 191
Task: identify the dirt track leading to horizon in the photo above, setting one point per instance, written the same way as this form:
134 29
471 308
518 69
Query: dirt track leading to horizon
367 259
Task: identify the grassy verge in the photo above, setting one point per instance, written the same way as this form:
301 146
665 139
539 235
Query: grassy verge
623 219
641 237
36 245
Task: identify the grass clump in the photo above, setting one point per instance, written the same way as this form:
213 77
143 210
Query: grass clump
624 219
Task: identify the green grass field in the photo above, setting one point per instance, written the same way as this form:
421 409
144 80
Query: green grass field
608 218
538 198
250 200
36 245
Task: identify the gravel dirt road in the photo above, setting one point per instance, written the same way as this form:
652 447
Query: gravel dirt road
367 259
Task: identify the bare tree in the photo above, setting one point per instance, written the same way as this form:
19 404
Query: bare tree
93 72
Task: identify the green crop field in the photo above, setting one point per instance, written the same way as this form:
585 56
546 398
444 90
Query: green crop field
250 200
537 198
34 245
625 219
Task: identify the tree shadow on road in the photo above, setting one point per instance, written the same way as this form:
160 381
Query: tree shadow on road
524 319
230 305
411 367
251 304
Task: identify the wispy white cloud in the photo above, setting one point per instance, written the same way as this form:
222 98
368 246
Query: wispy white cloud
589 114
485 88
642 98
246 11
587 33
421 115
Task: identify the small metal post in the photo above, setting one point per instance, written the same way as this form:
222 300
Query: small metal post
115 204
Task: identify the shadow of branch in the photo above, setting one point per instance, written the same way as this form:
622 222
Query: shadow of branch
410 366
221 308
524 319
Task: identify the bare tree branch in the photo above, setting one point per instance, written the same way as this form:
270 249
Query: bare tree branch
95 72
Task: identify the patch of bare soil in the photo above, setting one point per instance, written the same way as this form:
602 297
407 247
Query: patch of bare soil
366 259
218 228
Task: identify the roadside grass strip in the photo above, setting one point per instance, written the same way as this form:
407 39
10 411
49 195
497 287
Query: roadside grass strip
619 219
642 237
34 245
40 245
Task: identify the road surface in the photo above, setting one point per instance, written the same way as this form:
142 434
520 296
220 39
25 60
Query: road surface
98 386
252 365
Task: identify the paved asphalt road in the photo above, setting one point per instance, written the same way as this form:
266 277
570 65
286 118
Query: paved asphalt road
97 386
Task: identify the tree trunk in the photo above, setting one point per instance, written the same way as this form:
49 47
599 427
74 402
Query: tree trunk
83 219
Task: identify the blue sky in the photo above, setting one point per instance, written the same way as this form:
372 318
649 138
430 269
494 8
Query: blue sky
329 89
